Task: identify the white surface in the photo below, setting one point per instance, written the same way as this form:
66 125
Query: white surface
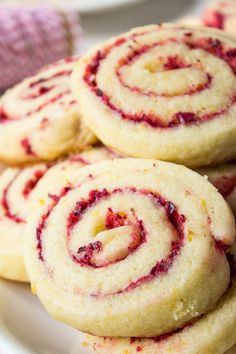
25 327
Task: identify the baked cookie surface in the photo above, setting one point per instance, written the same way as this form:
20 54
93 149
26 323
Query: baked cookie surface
118 251
162 91
39 119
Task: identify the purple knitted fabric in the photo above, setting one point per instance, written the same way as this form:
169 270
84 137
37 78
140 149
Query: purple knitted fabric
31 37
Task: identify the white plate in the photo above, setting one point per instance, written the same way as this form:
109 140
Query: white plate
26 328
82 6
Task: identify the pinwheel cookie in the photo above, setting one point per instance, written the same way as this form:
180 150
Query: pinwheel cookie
130 247
17 199
224 179
213 333
39 119
162 91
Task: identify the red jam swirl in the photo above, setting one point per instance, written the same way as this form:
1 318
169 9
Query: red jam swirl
27 147
113 220
32 182
170 63
27 189
176 219
43 222
213 46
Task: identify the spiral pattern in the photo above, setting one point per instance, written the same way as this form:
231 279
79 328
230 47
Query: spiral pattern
171 87
214 332
223 177
119 252
45 120
19 196
16 187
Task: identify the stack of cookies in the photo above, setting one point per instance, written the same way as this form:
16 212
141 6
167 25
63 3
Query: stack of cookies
126 241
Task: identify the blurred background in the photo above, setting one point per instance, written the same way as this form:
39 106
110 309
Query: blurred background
34 33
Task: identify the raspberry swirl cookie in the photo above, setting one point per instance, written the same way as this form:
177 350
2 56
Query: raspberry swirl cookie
18 196
130 247
162 91
224 179
213 333
39 119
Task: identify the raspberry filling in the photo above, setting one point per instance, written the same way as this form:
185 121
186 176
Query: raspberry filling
28 188
225 185
86 255
32 183
213 46
27 147
6 205
43 222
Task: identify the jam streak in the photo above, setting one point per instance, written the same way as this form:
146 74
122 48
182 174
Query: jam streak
27 147
5 203
210 45
32 183
44 218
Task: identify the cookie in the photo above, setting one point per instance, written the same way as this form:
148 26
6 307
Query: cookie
191 21
162 91
224 179
18 195
39 119
127 246
213 333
